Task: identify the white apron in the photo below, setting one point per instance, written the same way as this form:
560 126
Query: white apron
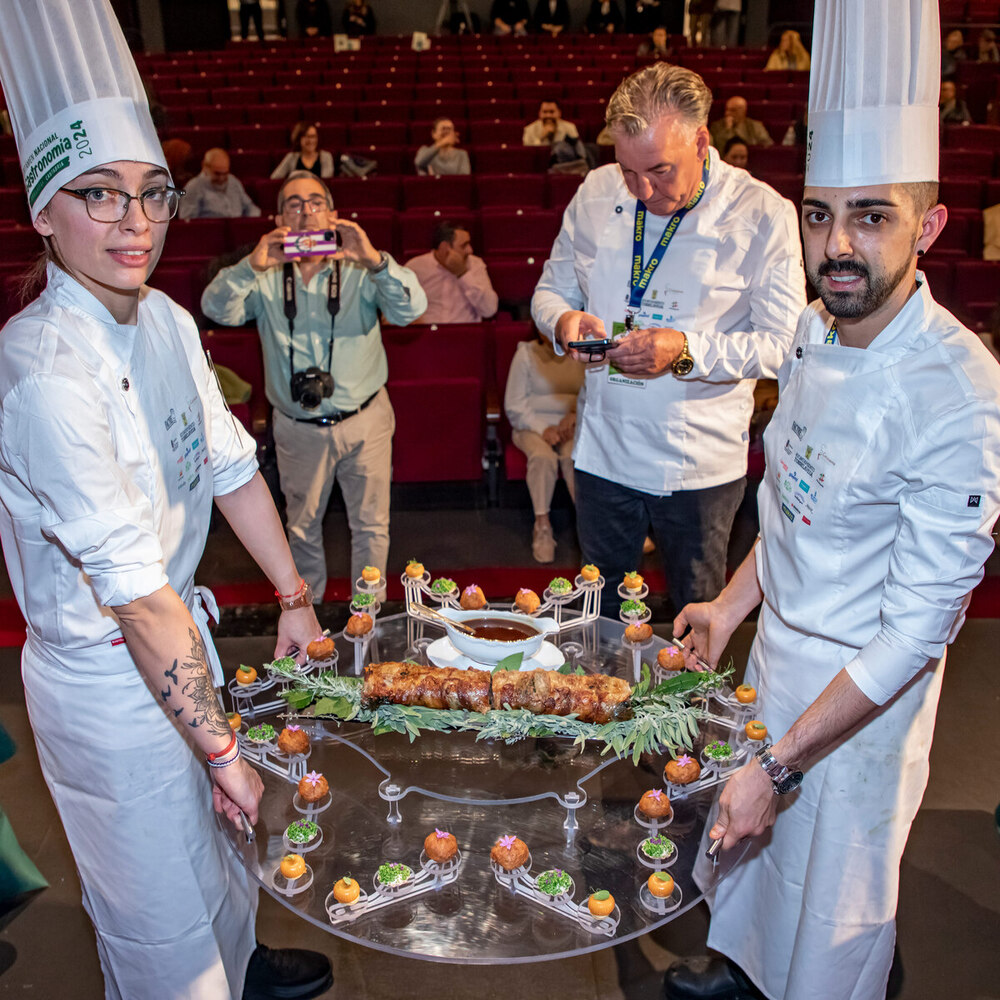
172 908
810 913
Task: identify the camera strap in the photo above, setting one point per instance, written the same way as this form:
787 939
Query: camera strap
292 309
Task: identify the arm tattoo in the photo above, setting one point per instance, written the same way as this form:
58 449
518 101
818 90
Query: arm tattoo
196 686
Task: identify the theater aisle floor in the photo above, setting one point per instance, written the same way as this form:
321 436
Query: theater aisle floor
950 888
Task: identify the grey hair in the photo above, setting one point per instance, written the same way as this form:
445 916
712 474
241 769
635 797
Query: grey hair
654 91
298 175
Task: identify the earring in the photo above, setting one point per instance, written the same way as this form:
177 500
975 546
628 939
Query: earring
920 253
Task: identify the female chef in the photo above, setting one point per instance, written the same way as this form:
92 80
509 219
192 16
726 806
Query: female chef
114 443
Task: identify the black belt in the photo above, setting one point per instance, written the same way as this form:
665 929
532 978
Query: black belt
336 418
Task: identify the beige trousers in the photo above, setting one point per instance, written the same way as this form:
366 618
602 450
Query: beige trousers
544 463
357 453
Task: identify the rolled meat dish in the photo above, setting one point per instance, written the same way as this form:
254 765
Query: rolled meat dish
590 697
432 687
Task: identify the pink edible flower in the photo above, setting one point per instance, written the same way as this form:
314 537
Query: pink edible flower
685 760
471 589
507 842
441 834
313 778
293 729
656 794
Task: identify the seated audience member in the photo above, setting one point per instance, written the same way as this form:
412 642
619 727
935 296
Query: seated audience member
550 127
358 19
540 403
442 157
305 154
987 43
953 110
736 152
604 17
736 122
510 17
215 193
790 53
952 53
656 47
551 17
454 279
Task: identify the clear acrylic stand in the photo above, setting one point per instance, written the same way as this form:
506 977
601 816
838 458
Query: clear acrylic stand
521 883
431 877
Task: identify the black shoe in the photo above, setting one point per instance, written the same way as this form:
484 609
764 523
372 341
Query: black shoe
286 974
716 979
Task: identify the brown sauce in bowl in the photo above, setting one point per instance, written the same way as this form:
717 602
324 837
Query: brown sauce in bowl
500 629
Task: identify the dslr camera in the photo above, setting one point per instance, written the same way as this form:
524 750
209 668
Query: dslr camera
311 387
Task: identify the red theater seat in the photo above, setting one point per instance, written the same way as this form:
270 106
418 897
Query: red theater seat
439 429
966 192
196 239
506 338
522 190
365 192
177 281
239 348
520 230
514 279
512 159
453 193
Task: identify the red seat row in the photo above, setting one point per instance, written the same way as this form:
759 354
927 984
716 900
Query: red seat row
442 382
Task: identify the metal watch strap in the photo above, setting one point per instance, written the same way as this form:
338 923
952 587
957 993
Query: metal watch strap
780 774
683 364
382 265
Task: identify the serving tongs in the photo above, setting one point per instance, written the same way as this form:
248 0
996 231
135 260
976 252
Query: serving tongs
436 618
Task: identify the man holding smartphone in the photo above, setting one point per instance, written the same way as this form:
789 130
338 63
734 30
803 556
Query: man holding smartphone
695 269
324 364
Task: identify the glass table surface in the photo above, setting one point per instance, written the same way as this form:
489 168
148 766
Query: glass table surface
574 808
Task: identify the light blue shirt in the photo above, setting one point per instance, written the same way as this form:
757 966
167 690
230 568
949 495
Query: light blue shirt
239 294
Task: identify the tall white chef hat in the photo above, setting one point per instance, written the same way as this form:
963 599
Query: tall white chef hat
73 92
873 93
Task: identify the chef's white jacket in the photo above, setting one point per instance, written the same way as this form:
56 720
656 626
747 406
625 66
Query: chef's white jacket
881 490
731 279
113 442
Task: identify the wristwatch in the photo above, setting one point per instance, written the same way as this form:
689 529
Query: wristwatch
785 780
683 363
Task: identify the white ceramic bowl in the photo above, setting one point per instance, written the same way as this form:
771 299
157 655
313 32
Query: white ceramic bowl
491 651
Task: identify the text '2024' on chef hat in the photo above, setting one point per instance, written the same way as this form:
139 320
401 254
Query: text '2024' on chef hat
873 93
73 93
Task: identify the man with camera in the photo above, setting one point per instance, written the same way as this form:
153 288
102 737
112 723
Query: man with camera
315 285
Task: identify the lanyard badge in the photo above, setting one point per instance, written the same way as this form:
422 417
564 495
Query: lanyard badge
642 275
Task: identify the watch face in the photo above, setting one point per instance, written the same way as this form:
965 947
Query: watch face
789 783
683 366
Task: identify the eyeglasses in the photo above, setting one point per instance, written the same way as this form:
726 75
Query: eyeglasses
158 204
296 206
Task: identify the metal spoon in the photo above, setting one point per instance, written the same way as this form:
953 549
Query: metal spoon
422 611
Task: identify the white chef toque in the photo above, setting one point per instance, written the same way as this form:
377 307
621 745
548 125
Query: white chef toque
873 93
73 92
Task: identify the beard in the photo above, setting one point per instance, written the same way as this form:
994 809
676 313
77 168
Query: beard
878 286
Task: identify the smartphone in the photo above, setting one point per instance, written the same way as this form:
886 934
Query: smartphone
312 243
592 346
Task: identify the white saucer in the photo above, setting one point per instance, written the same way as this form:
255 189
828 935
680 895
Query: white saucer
443 654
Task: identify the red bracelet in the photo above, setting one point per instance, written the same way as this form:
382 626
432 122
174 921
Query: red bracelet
291 597
222 753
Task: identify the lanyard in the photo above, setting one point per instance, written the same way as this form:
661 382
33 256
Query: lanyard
641 276
831 336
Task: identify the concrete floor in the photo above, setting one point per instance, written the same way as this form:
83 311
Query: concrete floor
949 908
